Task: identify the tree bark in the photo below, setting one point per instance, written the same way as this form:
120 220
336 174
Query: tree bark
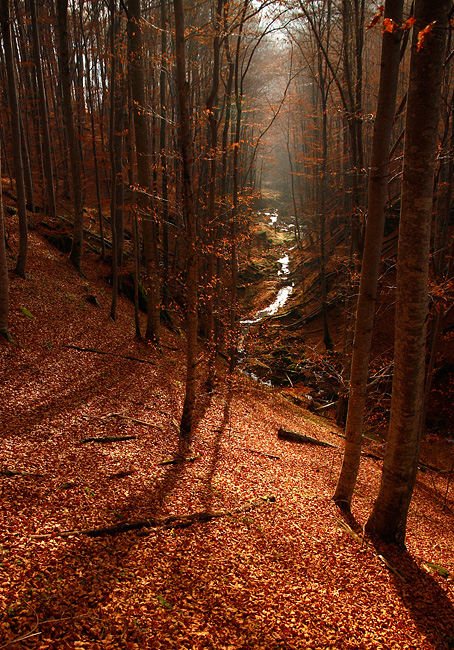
4 289
74 151
388 519
144 177
44 123
190 219
377 197
16 137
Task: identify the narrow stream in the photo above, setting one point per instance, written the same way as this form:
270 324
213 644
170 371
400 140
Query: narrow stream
273 308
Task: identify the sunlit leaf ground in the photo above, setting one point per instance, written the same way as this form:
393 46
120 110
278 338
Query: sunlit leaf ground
289 574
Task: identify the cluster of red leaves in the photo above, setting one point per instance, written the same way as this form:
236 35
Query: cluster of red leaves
389 25
286 575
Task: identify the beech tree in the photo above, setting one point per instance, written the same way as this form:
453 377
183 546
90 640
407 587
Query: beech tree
144 175
190 223
388 519
5 19
377 198
73 146
4 290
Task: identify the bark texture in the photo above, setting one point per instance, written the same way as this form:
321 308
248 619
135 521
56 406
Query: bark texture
388 519
4 289
377 197
144 178
73 146
16 138
190 222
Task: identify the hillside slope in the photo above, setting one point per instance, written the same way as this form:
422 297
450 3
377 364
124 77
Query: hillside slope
289 573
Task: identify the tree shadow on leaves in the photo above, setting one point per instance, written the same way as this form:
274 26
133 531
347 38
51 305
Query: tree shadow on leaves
422 594
207 497
419 589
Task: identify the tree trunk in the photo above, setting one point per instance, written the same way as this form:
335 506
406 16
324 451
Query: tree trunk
144 178
378 185
44 123
189 212
4 290
16 137
388 519
113 162
74 152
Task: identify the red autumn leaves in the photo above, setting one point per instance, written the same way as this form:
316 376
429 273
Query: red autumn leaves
389 25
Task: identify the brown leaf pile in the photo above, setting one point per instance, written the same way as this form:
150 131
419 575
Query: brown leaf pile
290 574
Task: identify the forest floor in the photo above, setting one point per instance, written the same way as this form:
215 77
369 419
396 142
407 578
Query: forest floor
291 572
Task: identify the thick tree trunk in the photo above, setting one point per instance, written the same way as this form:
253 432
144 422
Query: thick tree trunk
16 137
378 184
190 219
388 519
73 146
144 177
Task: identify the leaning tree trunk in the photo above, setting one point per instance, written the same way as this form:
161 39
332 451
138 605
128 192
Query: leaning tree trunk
388 519
16 137
189 211
74 151
144 178
378 186
4 291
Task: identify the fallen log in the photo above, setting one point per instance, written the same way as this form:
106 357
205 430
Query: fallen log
173 521
293 436
104 439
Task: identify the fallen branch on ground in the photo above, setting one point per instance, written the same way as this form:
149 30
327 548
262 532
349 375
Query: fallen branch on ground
119 356
293 436
107 439
173 521
177 460
260 453
121 474
15 472
126 417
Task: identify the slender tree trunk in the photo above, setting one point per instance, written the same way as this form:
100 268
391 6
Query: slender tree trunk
388 519
44 122
144 176
212 110
235 190
73 146
113 162
162 149
16 137
190 219
4 290
378 184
